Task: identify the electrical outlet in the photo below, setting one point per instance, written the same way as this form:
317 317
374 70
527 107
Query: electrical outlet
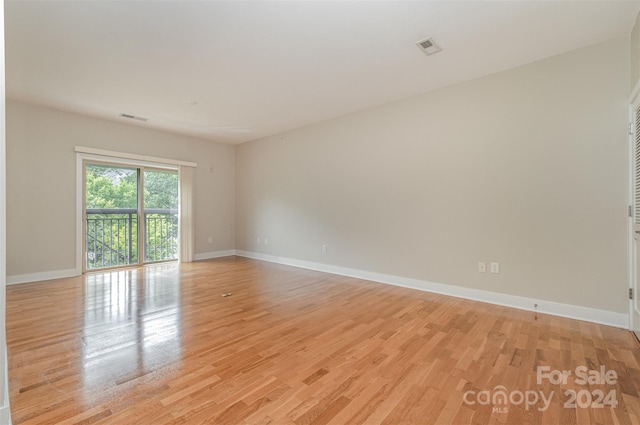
495 267
210 239
324 248
482 267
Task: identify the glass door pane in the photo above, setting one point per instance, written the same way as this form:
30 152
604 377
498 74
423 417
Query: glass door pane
111 216
160 215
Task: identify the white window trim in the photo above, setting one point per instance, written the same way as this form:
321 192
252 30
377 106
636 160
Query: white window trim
144 159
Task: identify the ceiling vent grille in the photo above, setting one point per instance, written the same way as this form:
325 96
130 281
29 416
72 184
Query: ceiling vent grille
428 46
133 117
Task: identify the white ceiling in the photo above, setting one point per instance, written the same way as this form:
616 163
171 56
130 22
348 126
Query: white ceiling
257 68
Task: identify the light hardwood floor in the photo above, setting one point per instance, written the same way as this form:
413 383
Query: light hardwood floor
161 345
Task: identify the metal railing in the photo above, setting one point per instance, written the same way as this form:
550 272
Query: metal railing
112 236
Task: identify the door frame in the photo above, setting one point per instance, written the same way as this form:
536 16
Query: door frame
83 155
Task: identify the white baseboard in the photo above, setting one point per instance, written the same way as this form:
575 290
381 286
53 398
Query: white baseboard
36 277
214 254
5 410
61 274
587 314
5 415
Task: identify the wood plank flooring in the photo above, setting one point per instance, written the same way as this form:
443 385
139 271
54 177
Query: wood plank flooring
161 345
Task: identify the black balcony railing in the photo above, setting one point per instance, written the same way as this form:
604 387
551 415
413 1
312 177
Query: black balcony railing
112 236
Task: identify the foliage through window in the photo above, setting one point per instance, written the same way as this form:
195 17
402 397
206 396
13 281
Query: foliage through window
112 225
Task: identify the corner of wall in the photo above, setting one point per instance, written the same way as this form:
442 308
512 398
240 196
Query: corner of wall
5 412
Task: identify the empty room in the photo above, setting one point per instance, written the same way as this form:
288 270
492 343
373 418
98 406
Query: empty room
320 212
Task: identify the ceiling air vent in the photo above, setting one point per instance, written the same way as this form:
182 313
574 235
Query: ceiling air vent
133 117
428 46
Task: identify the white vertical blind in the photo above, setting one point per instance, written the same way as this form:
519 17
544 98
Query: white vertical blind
187 219
636 208
637 166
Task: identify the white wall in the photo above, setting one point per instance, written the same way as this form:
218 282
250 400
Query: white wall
41 183
527 167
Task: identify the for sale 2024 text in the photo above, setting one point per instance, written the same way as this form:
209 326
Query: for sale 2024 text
596 399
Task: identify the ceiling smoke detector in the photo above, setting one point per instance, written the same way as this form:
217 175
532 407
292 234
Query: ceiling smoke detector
133 117
428 46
